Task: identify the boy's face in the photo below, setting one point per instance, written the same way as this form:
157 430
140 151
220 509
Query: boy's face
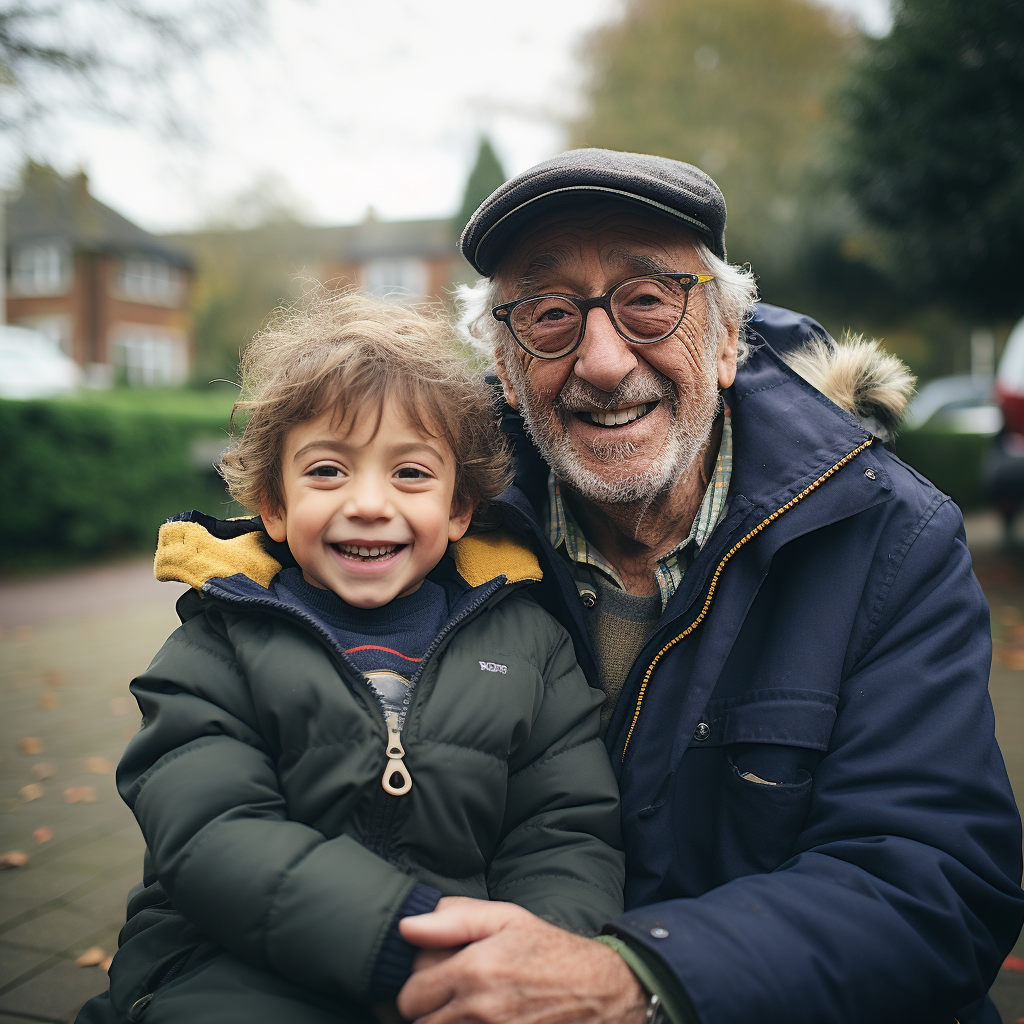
366 518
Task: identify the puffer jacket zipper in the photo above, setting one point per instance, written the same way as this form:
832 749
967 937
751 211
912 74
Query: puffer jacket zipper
385 803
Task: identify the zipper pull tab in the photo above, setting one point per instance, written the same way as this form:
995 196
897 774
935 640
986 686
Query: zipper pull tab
397 781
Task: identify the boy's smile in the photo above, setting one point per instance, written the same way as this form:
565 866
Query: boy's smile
366 516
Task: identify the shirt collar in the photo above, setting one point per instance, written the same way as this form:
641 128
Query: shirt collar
566 534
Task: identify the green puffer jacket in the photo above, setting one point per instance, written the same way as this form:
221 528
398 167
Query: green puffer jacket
257 775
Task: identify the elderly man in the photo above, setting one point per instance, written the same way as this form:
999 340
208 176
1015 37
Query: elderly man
817 822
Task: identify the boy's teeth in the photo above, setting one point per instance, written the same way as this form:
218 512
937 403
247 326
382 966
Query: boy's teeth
617 417
374 551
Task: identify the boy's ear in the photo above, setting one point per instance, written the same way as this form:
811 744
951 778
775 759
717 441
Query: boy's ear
275 524
458 524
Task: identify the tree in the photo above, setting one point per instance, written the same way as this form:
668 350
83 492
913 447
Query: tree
935 152
740 88
486 176
111 56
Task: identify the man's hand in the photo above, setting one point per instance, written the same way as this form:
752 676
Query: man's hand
514 969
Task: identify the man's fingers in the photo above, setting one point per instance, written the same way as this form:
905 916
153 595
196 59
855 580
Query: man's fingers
425 958
425 992
457 921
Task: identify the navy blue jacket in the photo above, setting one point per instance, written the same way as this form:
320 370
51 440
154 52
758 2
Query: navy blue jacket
830 637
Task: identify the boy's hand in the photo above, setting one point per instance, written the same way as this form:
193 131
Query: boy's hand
514 969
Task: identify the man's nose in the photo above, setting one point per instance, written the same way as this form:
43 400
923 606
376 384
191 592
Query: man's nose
603 358
367 499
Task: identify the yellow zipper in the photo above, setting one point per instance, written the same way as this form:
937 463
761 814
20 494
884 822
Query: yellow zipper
718 571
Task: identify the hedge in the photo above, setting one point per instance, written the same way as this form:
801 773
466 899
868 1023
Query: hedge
84 479
951 461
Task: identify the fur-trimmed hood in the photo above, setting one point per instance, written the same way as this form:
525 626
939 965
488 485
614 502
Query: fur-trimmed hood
859 376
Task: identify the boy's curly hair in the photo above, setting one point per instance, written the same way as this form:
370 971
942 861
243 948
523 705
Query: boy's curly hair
344 352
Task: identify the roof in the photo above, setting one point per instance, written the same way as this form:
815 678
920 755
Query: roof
52 207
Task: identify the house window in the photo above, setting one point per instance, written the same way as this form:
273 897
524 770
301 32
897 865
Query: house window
153 281
40 269
150 357
401 280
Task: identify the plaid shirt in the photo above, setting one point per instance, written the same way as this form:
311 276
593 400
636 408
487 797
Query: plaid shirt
565 532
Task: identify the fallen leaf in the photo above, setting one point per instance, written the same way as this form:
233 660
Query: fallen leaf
91 957
120 706
55 679
80 795
31 745
43 834
33 791
98 765
104 965
49 701
14 859
1013 963
43 770
1013 657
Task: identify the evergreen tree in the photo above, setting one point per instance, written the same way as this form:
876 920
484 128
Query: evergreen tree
486 176
935 151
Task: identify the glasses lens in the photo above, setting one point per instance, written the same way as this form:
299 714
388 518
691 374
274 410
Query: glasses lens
648 308
547 325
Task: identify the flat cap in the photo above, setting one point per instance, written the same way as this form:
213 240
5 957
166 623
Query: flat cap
670 186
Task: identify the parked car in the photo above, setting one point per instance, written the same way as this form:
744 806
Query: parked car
33 366
964 404
1002 475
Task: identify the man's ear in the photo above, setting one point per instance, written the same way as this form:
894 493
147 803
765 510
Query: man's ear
458 524
275 523
506 385
727 356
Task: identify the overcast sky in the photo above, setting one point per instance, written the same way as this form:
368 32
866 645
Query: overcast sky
348 104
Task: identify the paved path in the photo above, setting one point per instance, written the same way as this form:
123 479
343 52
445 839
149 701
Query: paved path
68 646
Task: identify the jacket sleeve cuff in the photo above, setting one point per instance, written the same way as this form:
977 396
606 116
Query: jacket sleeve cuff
394 962
655 976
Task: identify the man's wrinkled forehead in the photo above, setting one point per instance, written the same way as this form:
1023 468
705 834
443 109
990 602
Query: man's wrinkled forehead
628 241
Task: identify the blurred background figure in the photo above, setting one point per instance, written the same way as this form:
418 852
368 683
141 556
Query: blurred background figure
172 170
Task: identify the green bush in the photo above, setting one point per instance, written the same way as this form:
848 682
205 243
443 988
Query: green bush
951 461
82 478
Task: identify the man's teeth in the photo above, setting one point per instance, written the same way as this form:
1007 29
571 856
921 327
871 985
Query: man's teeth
617 417
377 551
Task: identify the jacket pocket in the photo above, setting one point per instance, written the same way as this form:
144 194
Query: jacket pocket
771 741
758 822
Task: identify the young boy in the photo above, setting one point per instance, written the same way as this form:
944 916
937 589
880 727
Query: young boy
363 709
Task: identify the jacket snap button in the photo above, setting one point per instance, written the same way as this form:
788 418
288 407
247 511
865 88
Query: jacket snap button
870 473
589 598
702 732
660 933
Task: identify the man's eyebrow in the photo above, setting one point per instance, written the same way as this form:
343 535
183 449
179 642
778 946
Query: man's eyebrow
531 279
630 260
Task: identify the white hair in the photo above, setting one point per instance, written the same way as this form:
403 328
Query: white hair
728 301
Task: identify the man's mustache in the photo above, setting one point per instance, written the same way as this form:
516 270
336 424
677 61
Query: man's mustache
579 395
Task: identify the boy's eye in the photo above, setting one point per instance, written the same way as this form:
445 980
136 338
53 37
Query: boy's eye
412 473
325 471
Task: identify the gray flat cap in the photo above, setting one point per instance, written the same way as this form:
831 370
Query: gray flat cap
670 186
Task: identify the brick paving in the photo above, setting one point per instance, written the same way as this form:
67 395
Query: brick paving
69 645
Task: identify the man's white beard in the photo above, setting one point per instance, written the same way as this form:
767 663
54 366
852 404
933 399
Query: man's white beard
693 416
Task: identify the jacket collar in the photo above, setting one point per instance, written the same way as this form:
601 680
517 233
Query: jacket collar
235 558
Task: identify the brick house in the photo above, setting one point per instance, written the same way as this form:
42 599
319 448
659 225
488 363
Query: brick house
115 297
410 260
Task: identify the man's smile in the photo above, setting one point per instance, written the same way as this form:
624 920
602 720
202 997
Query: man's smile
615 417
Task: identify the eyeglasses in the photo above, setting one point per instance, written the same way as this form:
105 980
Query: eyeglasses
642 310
